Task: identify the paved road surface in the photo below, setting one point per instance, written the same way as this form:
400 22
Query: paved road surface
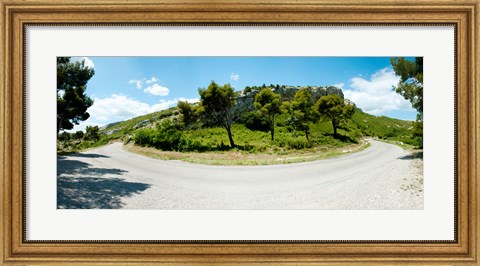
382 176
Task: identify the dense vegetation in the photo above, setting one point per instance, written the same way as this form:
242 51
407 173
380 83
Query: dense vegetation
299 123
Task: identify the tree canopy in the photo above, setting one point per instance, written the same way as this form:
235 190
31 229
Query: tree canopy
410 87
268 103
188 111
92 133
411 80
332 107
300 111
216 103
72 102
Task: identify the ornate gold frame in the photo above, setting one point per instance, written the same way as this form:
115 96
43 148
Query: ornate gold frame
463 14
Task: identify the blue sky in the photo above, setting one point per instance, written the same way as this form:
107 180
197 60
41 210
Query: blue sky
126 87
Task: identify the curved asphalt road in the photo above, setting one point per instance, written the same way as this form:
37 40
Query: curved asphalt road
383 176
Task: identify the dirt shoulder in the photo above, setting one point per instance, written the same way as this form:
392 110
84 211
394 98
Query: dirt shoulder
237 157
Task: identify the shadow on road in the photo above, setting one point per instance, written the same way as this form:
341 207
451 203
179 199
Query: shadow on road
87 155
413 155
82 186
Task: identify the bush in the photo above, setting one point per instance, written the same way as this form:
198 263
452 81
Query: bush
192 145
78 135
144 137
168 137
294 143
92 133
64 136
255 121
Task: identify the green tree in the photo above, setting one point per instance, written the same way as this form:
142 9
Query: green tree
410 87
166 136
72 102
188 111
268 103
300 111
254 120
78 135
216 103
332 107
92 133
64 136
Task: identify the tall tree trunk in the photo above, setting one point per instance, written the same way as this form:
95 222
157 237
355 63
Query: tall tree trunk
334 128
230 138
272 127
306 134
272 132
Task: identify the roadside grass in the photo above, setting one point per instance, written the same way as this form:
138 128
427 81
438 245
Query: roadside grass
398 143
287 143
239 157
73 146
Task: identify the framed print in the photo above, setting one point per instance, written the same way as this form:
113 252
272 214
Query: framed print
246 132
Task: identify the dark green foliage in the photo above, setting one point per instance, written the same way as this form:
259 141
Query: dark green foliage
167 136
78 135
64 136
294 143
410 87
255 121
268 103
72 102
411 80
216 103
334 109
144 137
189 113
92 133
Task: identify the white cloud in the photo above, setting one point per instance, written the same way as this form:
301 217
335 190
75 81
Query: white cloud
158 90
151 80
339 85
88 62
154 87
234 76
191 100
138 83
83 125
376 95
120 108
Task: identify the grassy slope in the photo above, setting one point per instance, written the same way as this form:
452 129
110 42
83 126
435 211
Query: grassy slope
257 142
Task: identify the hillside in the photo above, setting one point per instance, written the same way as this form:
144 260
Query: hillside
250 136
367 125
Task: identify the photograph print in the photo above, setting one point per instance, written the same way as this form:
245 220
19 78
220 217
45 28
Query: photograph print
240 133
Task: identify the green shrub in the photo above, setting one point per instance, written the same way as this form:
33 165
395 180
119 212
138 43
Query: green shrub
255 121
167 136
144 137
92 133
294 143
